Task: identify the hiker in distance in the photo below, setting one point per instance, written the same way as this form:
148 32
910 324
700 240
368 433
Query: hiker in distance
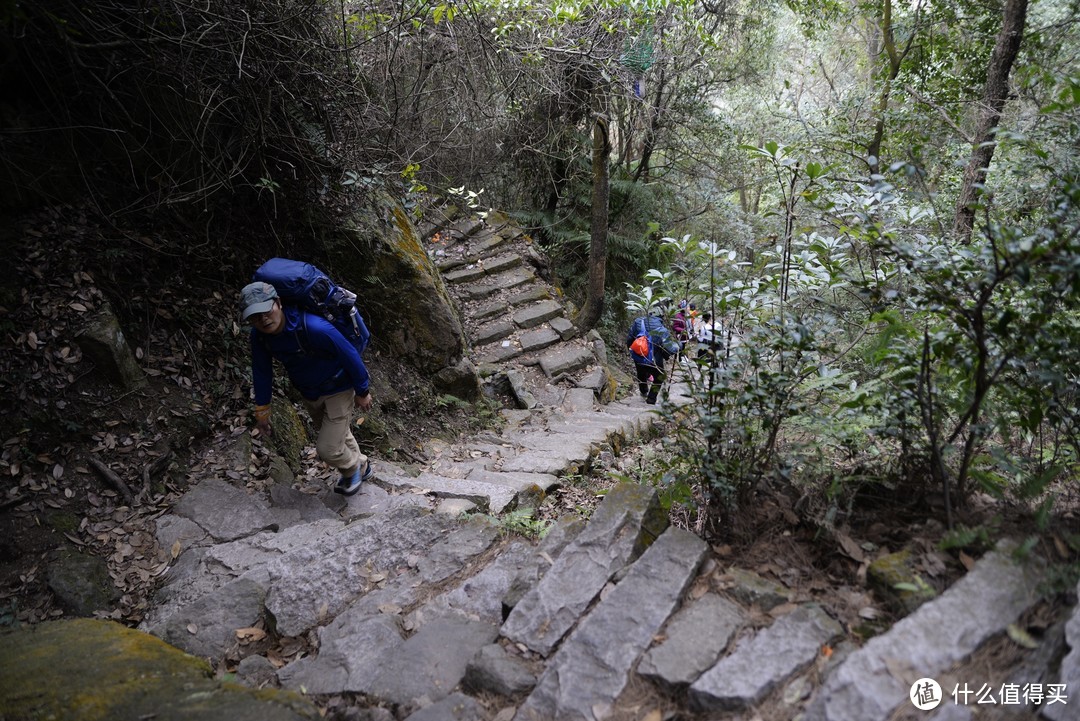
650 346
322 364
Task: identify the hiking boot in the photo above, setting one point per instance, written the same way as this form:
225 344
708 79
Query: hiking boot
350 484
651 400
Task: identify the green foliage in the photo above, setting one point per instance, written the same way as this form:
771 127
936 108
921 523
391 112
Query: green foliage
522 522
857 337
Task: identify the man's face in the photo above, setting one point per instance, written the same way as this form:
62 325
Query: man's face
271 322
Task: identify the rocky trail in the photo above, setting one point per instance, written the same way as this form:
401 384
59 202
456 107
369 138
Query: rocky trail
392 604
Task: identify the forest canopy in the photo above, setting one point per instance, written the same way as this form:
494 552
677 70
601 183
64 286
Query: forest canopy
876 201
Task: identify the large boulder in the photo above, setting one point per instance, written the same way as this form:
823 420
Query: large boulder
379 253
99 670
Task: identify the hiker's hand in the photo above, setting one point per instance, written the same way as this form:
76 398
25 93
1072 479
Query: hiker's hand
363 403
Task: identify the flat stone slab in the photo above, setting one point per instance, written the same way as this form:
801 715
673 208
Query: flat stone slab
225 511
536 314
493 332
520 481
597 427
500 263
937 635
432 662
351 654
319 580
485 244
501 353
539 339
490 310
622 526
546 462
563 327
565 360
466 227
591 667
503 281
579 400
465 275
496 671
759 664
479 597
576 450
486 496
207 627
693 641
537 292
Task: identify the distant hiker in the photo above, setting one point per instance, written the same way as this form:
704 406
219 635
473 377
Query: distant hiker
650 346
322 364
680 326
708 337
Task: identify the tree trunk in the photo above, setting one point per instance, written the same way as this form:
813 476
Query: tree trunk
895 57
648 144
594 302
994 96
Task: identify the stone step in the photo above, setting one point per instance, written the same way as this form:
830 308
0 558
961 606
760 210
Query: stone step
507 350
492 332
762 662
488 497
684 652
465 275
543 615
592 666
539 339
481 269
566 359
503 281
868 685
487 243
464 228
537 314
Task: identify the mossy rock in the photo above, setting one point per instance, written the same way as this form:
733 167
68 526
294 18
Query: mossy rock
894 579
81 583
379 253
104 343
289 434
99 670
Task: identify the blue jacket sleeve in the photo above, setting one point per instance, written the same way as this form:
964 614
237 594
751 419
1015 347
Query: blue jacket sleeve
262 370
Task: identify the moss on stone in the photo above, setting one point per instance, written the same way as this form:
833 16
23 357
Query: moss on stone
289 436
378 253
99 670
894 579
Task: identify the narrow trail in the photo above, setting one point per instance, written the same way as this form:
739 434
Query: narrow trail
393 605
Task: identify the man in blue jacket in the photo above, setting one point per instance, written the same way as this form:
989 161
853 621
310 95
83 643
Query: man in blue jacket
322 364
659 347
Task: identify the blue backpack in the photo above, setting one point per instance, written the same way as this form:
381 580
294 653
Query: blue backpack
306 287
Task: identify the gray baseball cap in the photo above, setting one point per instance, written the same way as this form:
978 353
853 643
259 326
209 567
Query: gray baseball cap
257 298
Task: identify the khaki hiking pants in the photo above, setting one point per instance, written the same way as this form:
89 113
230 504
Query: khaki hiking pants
336 445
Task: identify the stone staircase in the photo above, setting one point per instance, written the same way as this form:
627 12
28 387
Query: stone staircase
392 605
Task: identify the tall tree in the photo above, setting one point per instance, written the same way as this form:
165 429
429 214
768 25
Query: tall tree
594 301
895 57
993 100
